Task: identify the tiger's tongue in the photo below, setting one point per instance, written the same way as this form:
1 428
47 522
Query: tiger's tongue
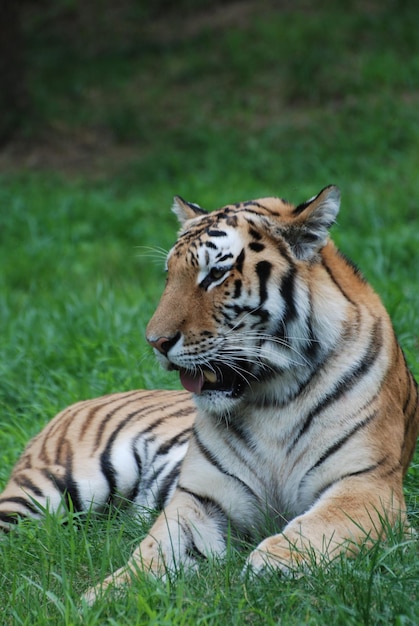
192 382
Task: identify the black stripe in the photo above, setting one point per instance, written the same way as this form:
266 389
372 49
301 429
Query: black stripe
413 391
105 458
348 380
364 470
146 486
216 233
19 500
338 285
120 407
109 400
191 549
178 439
56 430
224 258
150 461
408 396
412 415
241 445
263 270
360 472
254 233
312 346
289 314
213 511
142 412
338 444
211 507
67 486
256 246
287 291
137 457
352 265
394 469
316 367
237 288
240 261
133 494
242 435
237 309
167 486
214 461
193 552
248 203
257 205
27 484
108 470
10 519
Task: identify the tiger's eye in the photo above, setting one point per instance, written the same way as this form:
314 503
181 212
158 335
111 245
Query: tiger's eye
216 273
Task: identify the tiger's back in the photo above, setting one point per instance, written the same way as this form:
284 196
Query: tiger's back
120 447
397 391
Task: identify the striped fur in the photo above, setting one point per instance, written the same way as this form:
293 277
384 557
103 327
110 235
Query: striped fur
124 446
306 412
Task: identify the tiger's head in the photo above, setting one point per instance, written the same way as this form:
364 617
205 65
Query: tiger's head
237 311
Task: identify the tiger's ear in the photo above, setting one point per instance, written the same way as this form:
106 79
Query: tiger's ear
185 211
309 230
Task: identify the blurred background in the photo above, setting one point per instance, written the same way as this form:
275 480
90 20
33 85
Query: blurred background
169 88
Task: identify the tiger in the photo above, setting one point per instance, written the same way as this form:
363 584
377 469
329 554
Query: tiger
299 411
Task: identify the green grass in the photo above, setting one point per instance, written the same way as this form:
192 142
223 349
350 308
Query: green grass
282 104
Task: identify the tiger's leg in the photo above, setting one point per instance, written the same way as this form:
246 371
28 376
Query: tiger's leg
343 518
189 529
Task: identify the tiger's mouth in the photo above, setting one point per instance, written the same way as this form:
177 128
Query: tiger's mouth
217 377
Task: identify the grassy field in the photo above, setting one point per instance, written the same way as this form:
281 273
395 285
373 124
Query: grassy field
257 100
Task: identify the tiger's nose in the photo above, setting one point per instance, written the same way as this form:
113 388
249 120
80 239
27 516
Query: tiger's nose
163 344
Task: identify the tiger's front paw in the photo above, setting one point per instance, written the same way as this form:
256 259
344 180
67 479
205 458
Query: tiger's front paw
115 582
274 554
149 562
